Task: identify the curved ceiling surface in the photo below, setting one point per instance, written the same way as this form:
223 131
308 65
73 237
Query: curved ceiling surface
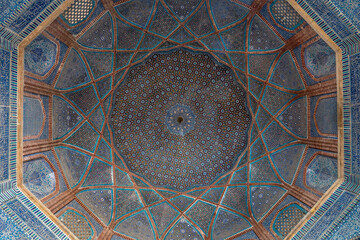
166 120
180 120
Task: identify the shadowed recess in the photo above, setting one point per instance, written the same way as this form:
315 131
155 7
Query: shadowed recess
126 201
227 12
136 11
261 195
201 213
99 201
163 215
183 229
228 224
137 226
65 117
200 23
85 98
73 162
100 35
73 72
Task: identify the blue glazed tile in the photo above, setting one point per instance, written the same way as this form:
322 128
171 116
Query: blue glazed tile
116 237
268 221
29 15
97 227
322 173
308 79
329 17
264 12
355 142
351 9
355 113
50 156
39 177
99 9
319 59
348 228
9 7
28 217
355 78
63 48
34 118
323 223
40 55
35 9
248 235
326 117
300 178
4 77
9 229
4 143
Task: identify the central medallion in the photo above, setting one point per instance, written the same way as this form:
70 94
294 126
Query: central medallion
180 119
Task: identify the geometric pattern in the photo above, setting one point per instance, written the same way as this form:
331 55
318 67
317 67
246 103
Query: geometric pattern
183 230
288 218
227 224
77 224
190 158
137 226
338 19
9 229
285 15
247 45
99 201
163 215
78 11
327 166
37 61
39 178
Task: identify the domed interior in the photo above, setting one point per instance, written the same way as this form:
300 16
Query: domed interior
165 120
171 128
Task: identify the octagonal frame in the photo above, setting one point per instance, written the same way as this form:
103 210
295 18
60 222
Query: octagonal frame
56 13
340 116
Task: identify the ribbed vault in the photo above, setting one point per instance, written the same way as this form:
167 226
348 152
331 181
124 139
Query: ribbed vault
166 119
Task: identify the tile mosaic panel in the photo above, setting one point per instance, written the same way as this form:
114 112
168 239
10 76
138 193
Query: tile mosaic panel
184 12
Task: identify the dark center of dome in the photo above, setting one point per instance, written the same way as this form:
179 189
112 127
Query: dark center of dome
180 119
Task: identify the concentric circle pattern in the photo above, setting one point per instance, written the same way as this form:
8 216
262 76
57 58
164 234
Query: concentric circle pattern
196 119
180 119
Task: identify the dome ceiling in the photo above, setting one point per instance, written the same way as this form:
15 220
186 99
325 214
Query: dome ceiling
180 120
